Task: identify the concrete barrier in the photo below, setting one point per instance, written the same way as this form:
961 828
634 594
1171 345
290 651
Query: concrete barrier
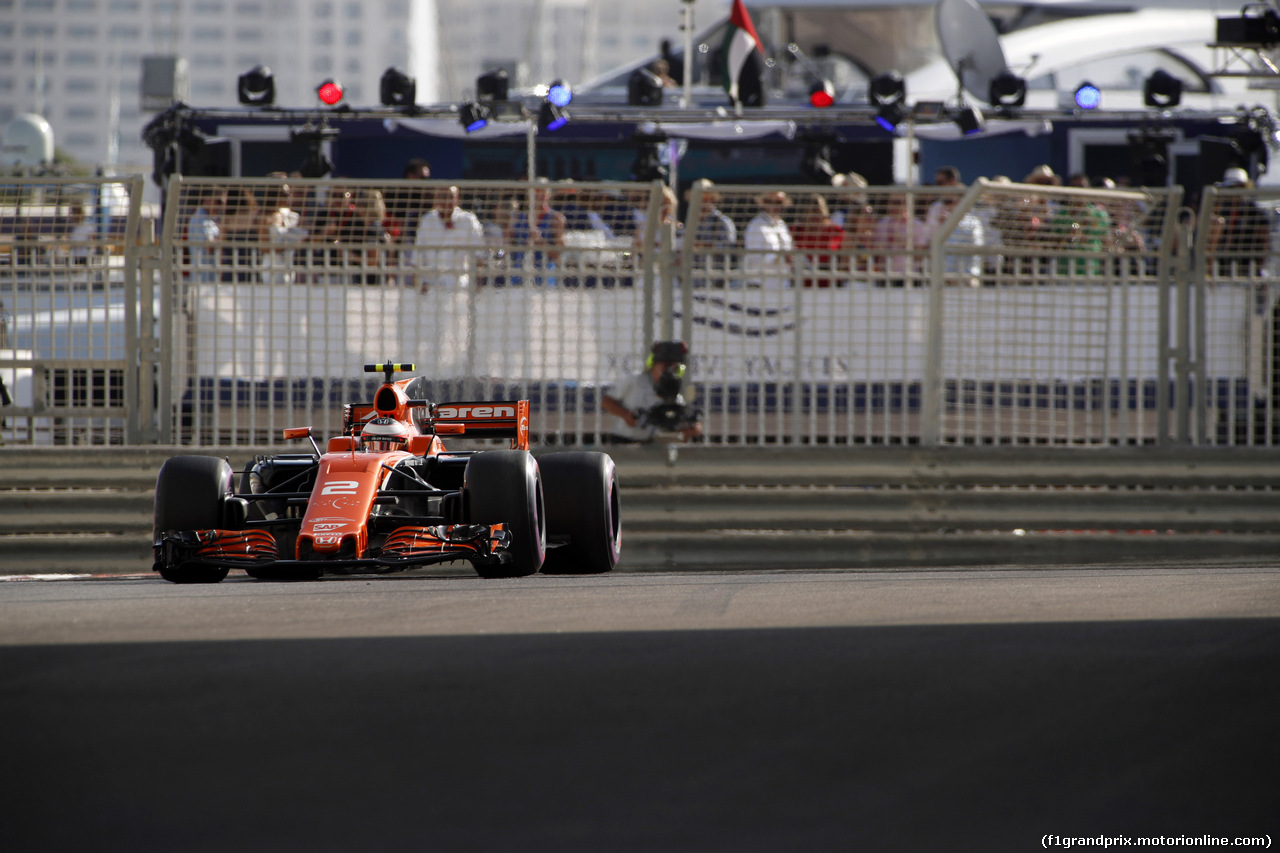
88 510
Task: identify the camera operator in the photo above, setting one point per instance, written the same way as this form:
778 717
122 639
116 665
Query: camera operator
650 401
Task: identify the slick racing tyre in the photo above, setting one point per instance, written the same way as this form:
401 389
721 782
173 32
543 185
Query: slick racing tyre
504 486
190 494
582 503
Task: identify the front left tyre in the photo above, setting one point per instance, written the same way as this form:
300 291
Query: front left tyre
191 492
504 486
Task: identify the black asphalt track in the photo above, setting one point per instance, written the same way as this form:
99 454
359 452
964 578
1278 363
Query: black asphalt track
952 735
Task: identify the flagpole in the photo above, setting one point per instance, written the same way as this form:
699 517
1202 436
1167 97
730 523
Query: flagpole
685 99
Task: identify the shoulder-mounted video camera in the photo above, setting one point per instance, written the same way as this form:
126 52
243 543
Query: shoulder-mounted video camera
673 413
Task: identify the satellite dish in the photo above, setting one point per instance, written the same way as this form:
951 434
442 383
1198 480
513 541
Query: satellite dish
27 141
971 45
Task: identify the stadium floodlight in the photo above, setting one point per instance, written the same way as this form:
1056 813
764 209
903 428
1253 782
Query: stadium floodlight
888 94
473 116
969 119
492 86
1162 90
257 87
1007 90
551 117
398 89
644 89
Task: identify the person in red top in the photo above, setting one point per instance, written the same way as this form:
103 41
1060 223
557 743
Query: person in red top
820 239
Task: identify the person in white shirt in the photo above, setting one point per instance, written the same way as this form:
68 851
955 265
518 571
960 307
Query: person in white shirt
284 229
768 244
204 228
448 243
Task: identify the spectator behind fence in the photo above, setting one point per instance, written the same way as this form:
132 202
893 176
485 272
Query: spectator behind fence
367 232
203 229
284 229
821 238
448 243
333 220
666 219
589 260
542 241
768 244
1079 225
1240 230
940 208
243 227
498 230
899 238
407 204
852 210
968 231
714 237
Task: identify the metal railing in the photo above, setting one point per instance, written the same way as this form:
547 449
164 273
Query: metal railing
75 314
997 314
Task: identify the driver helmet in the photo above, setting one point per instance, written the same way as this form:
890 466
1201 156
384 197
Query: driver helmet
384 434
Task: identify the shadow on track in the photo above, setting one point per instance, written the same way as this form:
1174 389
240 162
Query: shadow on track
902 738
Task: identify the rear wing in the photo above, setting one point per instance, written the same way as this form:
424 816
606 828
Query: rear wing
488 419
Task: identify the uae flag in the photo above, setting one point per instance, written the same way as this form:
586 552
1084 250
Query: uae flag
739 41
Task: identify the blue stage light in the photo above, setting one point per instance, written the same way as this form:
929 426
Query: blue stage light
551 117
1088 96
560 94
473 116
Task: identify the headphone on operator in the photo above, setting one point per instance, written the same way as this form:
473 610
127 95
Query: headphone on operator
671 351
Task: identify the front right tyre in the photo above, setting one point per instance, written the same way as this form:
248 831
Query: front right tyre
504 486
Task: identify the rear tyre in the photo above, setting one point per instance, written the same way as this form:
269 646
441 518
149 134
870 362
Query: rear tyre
503 486
190 494
582 502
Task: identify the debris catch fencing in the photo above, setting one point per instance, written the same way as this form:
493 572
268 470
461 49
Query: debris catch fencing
994 314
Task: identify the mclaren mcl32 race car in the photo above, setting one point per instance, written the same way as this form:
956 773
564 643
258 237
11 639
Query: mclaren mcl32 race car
387 496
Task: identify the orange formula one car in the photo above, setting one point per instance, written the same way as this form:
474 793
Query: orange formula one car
388 496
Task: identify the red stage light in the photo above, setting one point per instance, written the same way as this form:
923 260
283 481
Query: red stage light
330 92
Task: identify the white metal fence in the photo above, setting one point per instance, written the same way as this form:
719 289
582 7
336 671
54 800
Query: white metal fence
997 313
77 325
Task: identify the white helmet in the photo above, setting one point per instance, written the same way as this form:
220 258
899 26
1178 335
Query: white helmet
384 434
